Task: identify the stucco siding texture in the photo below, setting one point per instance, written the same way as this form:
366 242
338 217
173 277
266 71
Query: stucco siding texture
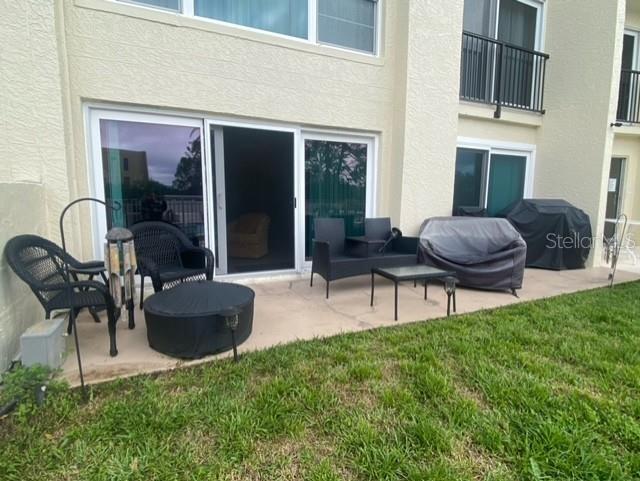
431 111
124 55
574 146
33 174
499 131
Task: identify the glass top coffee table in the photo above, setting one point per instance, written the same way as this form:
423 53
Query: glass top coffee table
417 273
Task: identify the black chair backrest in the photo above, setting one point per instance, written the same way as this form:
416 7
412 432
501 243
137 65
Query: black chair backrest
38 262
378 228
332 231
160 242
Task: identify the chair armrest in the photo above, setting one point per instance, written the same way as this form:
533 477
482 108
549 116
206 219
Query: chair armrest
82 285
405 245
198 257
321 259
147 267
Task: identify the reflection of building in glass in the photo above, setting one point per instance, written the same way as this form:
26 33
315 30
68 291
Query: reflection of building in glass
133 165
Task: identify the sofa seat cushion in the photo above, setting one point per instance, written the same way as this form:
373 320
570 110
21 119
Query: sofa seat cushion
346 266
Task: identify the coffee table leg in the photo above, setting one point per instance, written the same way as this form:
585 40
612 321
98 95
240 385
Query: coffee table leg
372 287
448 304
425 289
396 300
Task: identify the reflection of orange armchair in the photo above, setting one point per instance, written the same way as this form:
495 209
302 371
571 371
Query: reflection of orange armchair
249 236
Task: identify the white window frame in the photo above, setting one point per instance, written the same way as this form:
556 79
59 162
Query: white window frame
187 9
96 178
372 166
139 3
496 147
94 112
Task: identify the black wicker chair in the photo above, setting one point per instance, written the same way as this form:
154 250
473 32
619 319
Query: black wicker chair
167 256
40 264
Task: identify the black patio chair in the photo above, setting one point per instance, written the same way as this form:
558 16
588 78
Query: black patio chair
166 255
40 264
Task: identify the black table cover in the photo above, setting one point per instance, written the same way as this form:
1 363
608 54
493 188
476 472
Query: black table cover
188 321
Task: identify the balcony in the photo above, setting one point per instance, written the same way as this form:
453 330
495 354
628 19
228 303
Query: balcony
501 74
629 97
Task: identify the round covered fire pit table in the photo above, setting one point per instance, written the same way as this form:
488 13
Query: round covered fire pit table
195 319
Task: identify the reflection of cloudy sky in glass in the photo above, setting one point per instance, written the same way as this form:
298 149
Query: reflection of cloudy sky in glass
164 144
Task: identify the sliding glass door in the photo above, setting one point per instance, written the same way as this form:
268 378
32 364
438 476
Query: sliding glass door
491 178
152 166
248 191
506 182
252 173
518 26
506 70
337 182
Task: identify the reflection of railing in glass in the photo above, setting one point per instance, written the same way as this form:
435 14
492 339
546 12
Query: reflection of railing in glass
495 72
629 96
184 211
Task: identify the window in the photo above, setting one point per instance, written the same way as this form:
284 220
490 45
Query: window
336 175
167 4
469 183
351 24
287 17
490 178
155 172
348 23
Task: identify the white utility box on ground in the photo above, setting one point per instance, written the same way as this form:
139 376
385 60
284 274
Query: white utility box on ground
45 343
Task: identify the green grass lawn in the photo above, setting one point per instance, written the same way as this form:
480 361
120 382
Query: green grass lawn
548 390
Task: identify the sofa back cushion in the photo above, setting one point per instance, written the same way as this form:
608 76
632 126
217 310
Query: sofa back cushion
378 228
331 231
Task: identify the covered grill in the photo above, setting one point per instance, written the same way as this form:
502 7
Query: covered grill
558 234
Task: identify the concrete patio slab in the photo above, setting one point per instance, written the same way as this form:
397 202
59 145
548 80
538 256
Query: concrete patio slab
288 309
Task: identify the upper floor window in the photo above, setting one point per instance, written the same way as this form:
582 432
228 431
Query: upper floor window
516 22
287 17
167 4
351 24
348 23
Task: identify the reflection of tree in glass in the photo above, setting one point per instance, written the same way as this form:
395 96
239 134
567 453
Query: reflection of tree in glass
336 181
343 162
188 176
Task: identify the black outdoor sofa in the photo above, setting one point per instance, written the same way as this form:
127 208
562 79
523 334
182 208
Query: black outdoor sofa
336 256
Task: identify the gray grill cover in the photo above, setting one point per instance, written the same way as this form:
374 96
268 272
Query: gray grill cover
486 253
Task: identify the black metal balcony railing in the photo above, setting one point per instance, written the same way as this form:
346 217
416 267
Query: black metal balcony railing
629 97
501 74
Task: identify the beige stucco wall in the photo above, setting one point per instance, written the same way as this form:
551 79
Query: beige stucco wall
575 140
497 130
431 112
33 175
124 55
